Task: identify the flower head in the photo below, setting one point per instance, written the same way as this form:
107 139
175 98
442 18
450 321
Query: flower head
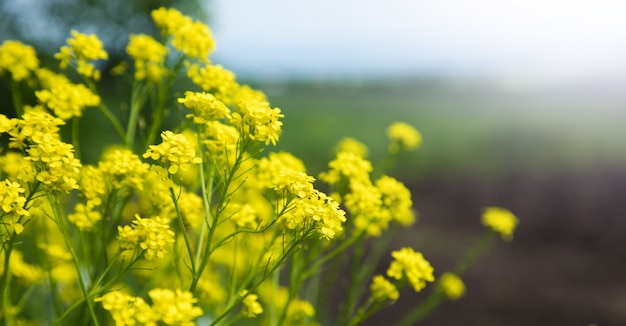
452 286
126 309
251 306
403 137
383 290
500 220
174 307
68 100
82 48
193 38
18 59
412 265
205 107
152 235
176 152
258 121
149 56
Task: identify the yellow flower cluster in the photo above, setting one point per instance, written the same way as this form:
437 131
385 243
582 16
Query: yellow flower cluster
318 211
258 121
214 78
149 56
347 166
396 198
123 168
84 217
13 199
298 311
205 107
127 310
452 286
251 306
403 137
27 273
68 100
351 145
500 220
193 38
176 152
412 265
372 205
383 290
37 134
18 59
174 307
82 48
151 235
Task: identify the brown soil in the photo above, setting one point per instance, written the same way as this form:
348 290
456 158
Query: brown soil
565 266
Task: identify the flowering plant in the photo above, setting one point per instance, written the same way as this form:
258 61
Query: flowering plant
194 223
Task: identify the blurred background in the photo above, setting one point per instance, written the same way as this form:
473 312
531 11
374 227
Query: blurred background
521 105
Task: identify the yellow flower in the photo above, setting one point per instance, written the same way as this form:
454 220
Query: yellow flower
500 220
18 59
27 273
403 137
349 144
347 165
364 202
317 211
82 48
152 235
411 264
383 290
176 152
297 183
194 39
397 199
452 286
258 121
127 310
215 79
174 307
84 217
13 200
68 100
123 168
205 107
149 56
251 306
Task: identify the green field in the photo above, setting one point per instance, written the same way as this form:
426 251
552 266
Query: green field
467 127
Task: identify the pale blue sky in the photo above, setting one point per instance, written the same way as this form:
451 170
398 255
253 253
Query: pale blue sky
550 40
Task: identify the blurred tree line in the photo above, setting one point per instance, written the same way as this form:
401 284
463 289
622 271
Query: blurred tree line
47 24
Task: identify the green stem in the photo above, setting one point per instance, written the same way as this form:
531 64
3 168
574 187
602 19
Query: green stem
76 136
436 297
432 302
475 251
62 227
17 99
138 98
109 115
4 282
222 202
181 224
343 246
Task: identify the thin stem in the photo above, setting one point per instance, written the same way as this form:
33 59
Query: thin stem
17 98
4 282
432 302
109 115
138 98
76 136
61 224
181 224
